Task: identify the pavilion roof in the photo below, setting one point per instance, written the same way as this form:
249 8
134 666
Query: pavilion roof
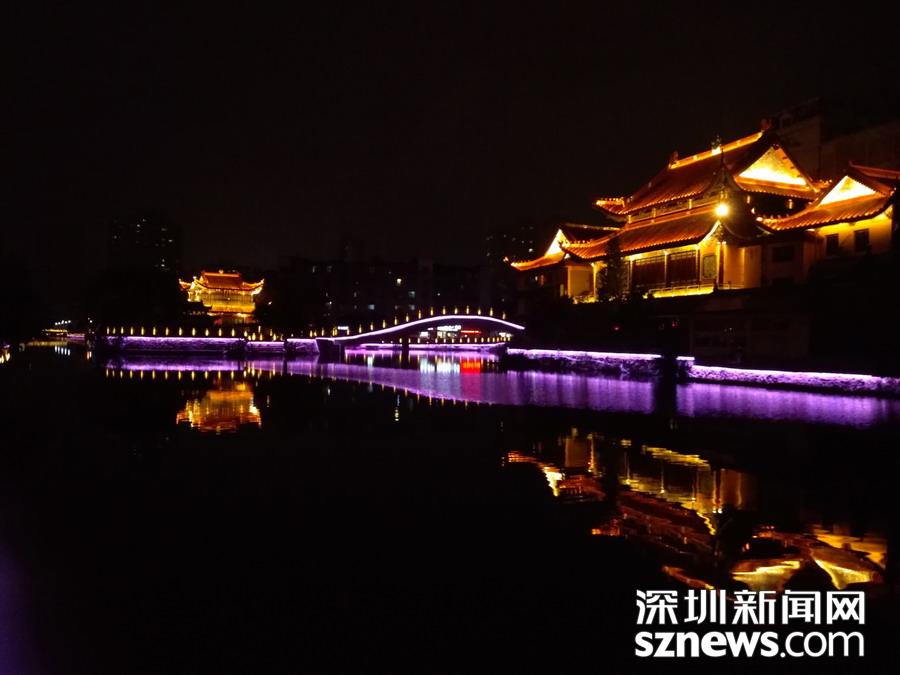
756 163
567 233
223 281
675 229
863 192
535 263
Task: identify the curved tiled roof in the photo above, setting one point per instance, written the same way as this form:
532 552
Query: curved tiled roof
680 229
837 212
224 280
567 233
543 261
695 175
881 183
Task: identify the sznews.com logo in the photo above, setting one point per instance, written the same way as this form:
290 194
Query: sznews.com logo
675 616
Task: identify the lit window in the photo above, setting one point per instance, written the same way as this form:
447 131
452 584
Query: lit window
399 281
371 308
412 294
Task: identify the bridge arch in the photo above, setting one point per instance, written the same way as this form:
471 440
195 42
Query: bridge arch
424 323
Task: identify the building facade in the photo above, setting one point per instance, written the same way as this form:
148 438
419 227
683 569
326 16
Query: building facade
558 274
826 134
224 295
351 292
147 241
741 215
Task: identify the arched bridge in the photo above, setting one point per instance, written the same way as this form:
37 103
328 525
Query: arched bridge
398 332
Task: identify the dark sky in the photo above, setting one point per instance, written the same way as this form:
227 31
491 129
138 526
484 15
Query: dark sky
416 127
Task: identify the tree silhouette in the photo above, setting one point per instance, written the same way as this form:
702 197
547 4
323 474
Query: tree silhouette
613 276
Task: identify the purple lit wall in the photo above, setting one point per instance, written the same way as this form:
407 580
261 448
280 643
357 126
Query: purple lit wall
474 348
265 346
173 363
136 343
623 364
843 382
301 346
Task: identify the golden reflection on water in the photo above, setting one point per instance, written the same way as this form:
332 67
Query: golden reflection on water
224 408
674 503
765 576
870 545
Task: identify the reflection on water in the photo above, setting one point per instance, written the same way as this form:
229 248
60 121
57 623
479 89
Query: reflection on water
222 403
705 521
714 400
599 484
225 407
451 377
480 378
701 521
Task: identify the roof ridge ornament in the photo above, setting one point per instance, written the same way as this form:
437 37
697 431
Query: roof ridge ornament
717 149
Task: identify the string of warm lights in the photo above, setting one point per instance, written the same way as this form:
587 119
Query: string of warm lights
260 334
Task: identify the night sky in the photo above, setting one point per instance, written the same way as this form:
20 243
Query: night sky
414 128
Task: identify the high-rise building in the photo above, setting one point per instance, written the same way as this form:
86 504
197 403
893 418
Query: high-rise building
824 134
145 241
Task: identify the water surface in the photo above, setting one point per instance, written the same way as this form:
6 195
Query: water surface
209 515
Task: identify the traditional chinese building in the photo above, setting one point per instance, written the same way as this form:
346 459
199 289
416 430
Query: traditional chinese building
559 273
693 227
853 216
741 215
225 295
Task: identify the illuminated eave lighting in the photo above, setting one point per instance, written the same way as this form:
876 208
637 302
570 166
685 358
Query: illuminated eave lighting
682 292
717 150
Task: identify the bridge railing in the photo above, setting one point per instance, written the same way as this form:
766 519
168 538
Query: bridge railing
262 334
254 334
408 318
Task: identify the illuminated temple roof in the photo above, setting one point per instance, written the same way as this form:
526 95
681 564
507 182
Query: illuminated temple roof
566 235
863 192
226 281
677 229
678 207
755 163
224 294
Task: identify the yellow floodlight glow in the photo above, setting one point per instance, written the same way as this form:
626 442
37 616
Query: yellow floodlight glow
722 210
846 188
684 291
774 167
